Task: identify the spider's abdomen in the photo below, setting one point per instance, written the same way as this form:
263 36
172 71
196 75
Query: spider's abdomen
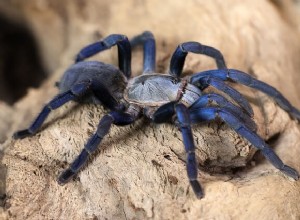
109 76
158 89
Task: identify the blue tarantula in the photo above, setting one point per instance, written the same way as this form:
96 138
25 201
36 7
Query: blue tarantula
160 97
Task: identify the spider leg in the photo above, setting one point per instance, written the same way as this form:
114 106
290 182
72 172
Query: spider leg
124 51
118 118
248 80
74 94
164 114
148 42
211 113
191 163
206 99
215 82
178 57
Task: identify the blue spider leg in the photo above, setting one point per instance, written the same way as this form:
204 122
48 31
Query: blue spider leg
118 118
184 124
76 92
164 113
206 99
178 57
248 80
148 41
124 51
211 113
215 82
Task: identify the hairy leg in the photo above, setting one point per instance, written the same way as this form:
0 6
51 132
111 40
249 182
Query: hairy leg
188 141
207 99
248 80
74 93
166 113
215 82
178 57
148 41
93 143
124 51
211 113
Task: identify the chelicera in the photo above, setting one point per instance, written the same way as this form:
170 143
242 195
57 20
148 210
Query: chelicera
161 97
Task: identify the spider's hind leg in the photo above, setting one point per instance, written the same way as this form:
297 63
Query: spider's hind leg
91 146
77 91
74 93
147 40
124 51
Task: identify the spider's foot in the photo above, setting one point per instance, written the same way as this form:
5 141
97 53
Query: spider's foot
290 172
197 188
65 176
22 134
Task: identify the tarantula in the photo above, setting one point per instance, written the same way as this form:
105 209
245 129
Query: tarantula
160 97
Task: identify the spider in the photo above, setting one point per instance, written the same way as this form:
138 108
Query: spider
161 97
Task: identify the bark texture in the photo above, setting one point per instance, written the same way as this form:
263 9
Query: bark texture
139 170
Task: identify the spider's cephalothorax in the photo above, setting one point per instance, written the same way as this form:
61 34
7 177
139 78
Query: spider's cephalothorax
154 90
160 97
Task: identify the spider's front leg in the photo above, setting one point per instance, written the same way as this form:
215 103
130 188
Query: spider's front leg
247 80
206 99
163 114
178 57
211 113
166 111
206 81
117 118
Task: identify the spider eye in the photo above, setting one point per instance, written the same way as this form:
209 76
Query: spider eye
175 81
